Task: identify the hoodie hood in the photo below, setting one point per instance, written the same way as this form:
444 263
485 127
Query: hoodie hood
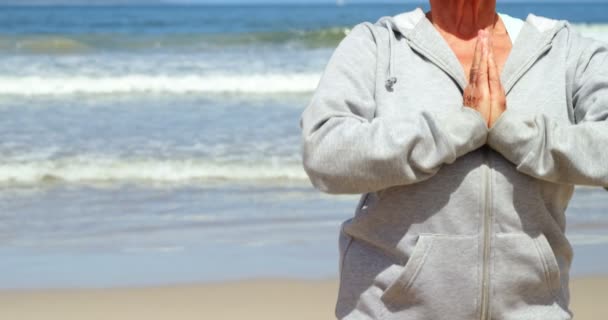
402 24
409 24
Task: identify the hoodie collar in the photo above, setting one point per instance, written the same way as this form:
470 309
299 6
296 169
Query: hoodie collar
534 39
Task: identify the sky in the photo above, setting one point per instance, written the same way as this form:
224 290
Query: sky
97 2
130 2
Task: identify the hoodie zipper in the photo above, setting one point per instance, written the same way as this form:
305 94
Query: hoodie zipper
487 212
487 232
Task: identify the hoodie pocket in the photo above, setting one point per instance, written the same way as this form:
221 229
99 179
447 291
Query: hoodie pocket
551 267
526 276
439 278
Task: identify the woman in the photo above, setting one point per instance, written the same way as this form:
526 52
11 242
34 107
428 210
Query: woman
464 181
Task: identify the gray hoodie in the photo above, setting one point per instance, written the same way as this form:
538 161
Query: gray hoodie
455 220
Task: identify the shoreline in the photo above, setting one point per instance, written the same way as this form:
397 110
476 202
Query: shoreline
256 298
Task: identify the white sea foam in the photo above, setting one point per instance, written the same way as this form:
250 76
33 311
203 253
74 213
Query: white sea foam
588 239
179 84
121 170
596 31
107 74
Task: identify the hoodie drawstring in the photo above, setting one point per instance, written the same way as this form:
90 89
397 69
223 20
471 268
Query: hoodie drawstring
390 80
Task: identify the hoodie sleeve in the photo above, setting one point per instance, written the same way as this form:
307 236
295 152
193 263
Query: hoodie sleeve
346 149
574 153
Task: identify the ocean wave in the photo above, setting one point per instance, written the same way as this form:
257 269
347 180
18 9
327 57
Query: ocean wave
82 43
119 42
178 84
588 239
593 30
98 169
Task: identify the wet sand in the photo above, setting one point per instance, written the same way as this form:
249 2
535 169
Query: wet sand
266 299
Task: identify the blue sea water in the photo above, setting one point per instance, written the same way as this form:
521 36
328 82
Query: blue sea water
155 144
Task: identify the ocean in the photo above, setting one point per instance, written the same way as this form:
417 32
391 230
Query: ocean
147 145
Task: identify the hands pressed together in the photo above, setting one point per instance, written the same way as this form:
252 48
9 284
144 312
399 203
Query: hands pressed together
484 92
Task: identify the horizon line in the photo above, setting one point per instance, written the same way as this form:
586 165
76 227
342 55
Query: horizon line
241 3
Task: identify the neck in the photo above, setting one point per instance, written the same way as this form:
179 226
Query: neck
463 18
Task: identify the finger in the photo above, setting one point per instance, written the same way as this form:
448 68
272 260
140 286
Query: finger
476 59
482 72
493 73
468 97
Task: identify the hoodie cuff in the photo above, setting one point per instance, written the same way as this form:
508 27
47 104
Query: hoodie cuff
465 127
511 135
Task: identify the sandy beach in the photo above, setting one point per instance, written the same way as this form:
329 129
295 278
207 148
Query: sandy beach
266 299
